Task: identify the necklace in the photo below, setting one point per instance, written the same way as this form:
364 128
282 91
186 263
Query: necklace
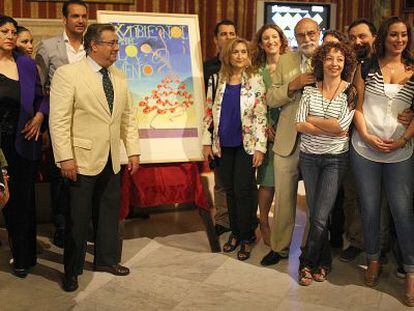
325 110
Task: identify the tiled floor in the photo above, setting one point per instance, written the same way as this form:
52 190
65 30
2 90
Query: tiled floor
172 269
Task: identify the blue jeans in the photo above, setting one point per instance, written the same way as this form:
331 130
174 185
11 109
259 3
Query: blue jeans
398 181
322 175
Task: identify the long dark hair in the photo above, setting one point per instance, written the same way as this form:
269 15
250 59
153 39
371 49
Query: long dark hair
379 44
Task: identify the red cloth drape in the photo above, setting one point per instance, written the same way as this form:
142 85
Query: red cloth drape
156 184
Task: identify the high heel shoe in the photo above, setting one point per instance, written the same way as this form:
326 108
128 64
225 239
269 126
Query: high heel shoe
245 250
231 244
372 273
409 296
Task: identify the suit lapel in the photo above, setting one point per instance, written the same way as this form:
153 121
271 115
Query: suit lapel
218 99
61 47
244 90
93 83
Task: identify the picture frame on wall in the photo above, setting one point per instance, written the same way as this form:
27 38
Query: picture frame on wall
408 6
161 57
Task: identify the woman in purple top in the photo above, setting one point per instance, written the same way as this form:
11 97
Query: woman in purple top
238 142
22 111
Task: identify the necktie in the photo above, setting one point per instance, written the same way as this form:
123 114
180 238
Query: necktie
108 88
309 65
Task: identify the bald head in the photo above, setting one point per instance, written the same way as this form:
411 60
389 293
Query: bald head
307 35
306 22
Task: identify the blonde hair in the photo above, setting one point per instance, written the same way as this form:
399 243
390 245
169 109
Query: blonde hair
226 70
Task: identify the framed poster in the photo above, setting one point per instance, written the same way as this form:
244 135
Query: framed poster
161 56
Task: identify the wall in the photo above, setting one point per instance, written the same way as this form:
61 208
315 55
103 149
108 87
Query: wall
243 12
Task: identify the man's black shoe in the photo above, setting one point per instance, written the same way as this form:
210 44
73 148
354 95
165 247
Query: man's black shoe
221 229
350 254
59 238
271 258
70 283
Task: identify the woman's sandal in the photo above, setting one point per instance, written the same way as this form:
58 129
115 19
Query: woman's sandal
409 297
305 276
231 244
372 273
244 252
322 274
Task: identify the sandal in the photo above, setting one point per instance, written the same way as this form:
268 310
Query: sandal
409 297
244 252
322 274
305 276
231 244
372 273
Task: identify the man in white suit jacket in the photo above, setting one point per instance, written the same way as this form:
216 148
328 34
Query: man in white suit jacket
90 112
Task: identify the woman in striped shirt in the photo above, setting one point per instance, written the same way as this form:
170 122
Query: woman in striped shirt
324 116
382 149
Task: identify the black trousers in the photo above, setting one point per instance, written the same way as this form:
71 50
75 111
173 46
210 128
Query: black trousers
20 211
97 197
238 177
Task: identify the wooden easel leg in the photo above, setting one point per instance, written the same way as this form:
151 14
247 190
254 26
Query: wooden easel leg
213 239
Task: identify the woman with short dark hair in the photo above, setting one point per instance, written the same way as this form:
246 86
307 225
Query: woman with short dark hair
324 115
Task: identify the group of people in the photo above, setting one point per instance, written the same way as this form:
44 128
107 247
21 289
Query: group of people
72 95
272 116
339 116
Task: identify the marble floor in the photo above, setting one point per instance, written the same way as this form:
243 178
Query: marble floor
172 269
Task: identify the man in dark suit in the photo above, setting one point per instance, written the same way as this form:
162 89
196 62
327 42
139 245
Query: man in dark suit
51 54
90 112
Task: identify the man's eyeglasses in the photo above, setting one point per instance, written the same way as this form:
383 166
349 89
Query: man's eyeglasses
311 34
109 43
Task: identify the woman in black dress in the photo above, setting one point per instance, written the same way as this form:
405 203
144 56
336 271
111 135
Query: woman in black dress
22 110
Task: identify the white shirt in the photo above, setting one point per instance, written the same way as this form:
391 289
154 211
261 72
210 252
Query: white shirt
96 67
73 55
382 104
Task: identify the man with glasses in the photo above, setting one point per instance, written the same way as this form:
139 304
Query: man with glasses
51 54
90 112
292 74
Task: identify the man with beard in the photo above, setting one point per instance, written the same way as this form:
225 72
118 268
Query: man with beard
292 74
51 54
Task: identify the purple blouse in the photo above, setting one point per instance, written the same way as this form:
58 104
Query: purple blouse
230 131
